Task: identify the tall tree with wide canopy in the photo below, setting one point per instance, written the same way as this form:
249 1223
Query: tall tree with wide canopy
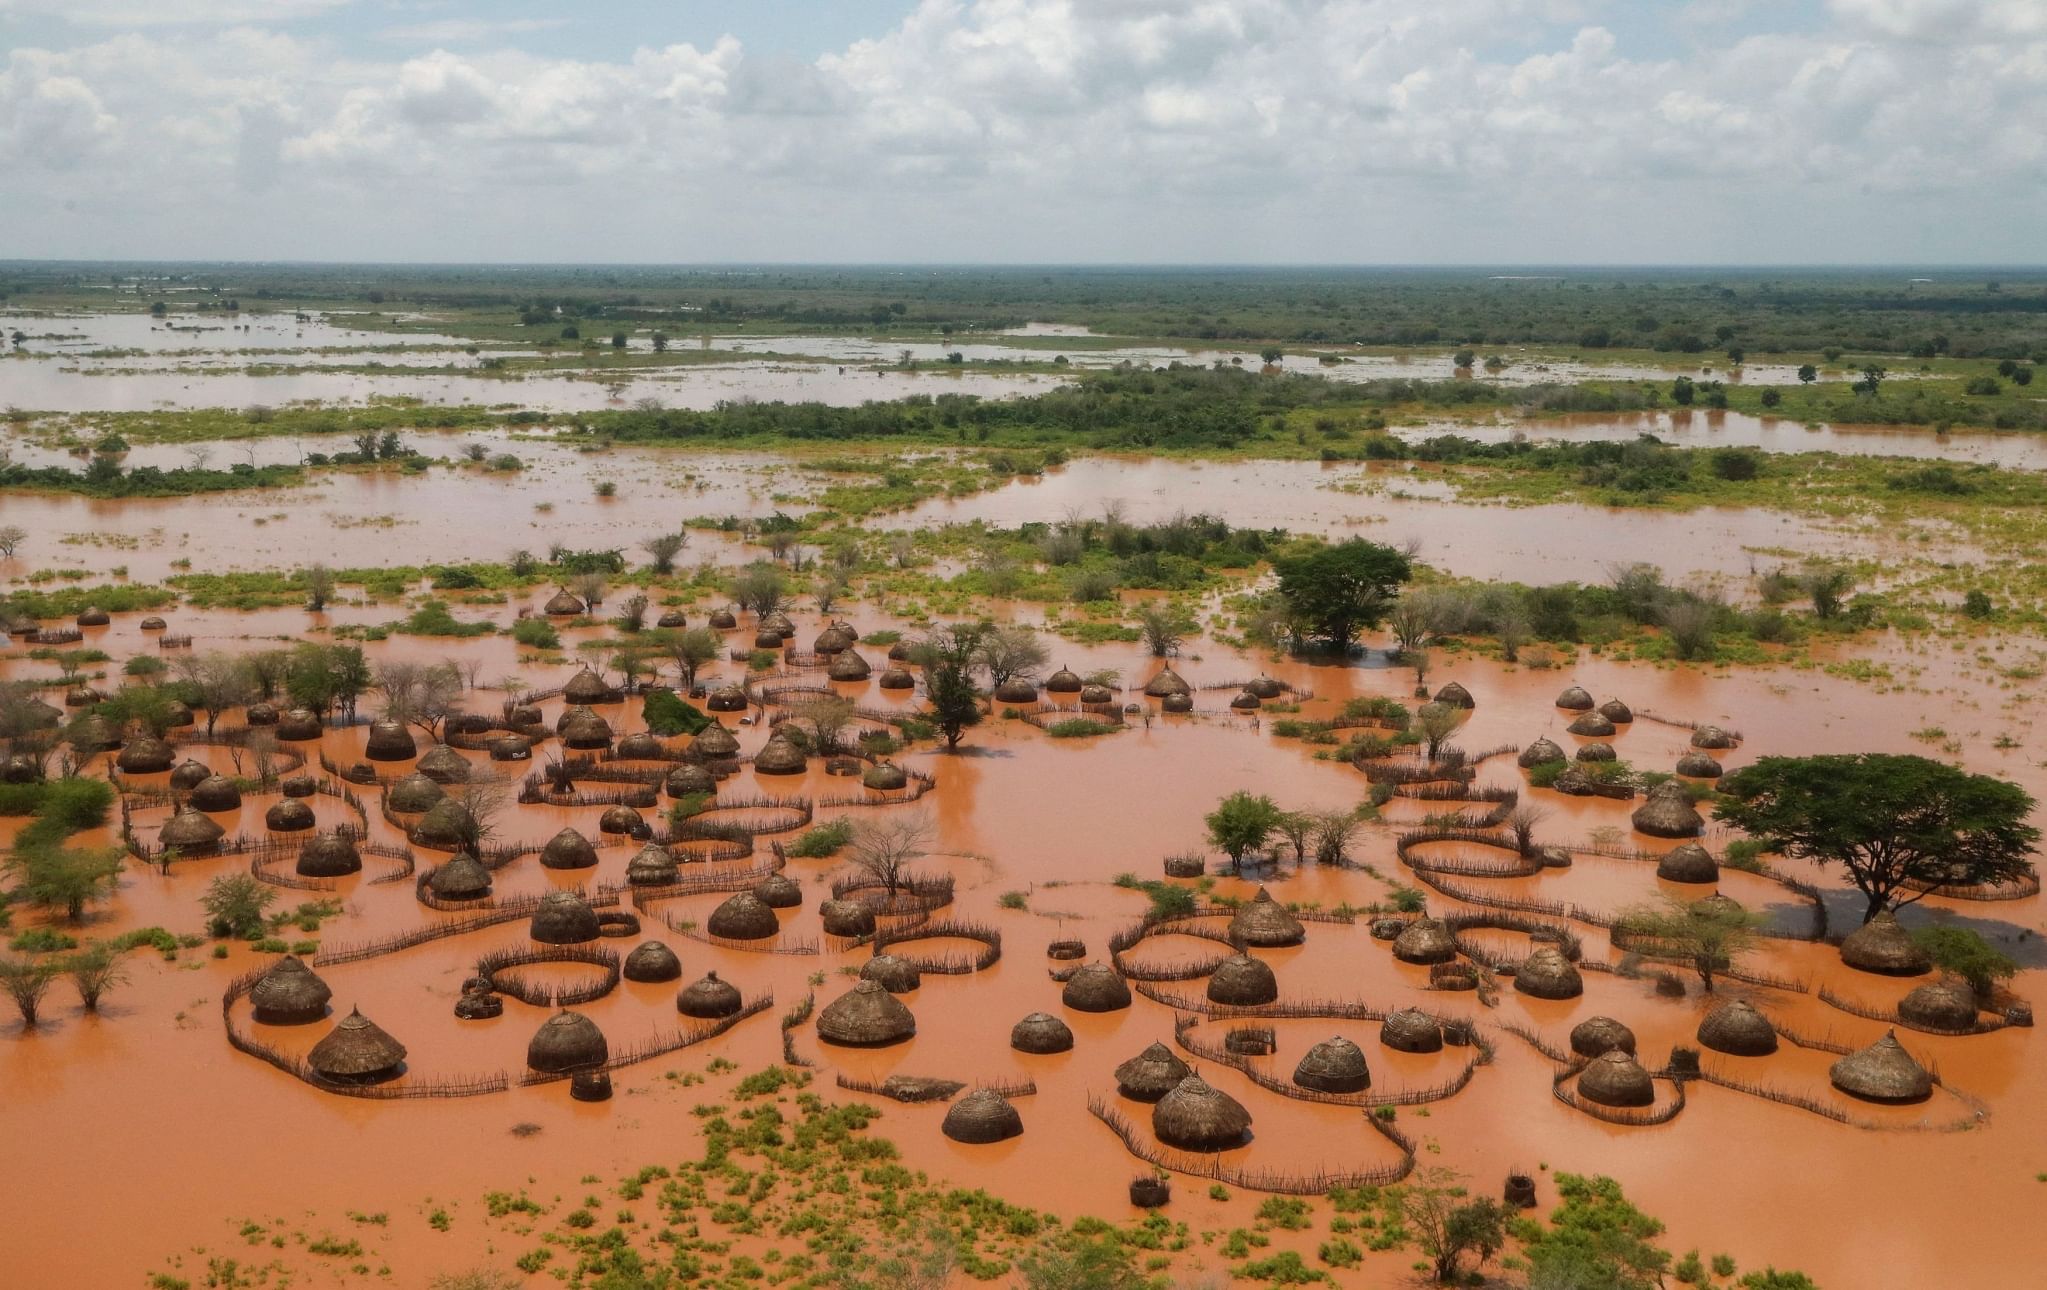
1333 592
1896 823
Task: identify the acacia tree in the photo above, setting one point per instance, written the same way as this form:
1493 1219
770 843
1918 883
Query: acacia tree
419 694
1164 627
690 650
1436 722
759 588
1447 1225
319 586
948 657
1240 824
1335 591
661 551
1707 937
66 878
95 970
218 681
1897 824
884 847
1333 833
1012 653
26 981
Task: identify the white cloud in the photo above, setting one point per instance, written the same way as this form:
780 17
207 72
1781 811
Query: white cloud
166 13
466 31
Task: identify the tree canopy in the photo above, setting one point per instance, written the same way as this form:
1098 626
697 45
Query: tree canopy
1241 823
1333 592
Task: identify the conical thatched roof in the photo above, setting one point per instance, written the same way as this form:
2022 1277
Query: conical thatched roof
1198 1117
414 794
447 826
688 780
779 891
652 865
897 678
1336 1065
1698 765
1265 687
767 638
93 616
1097 694
1177 703
1411 1031
847 665
623 821
1041 1032
1095 988
1542 750
1737 1028
567 1041
1711 737
724 620
742 917
651 961
1064 681
1617 712
1940 1005
188 775
778 757
846 917
511 748
1669 813
1455 695
145 755
289 816
1575 699
708 997
356 1050
299 724
885 778
715 743
1242 982
671 619
1615 1078
216 793
1597 750
190 831
443 765
1591 725
641 746
867 1016
779 623
289 994
1689 862
563 918
1882 1072
982 1116
1167 682
1596 1035
580 727
586 688
1265 923
1425 940
1883 945
726 698
563 604
896 975
389 741
1547 974
831 640
1245 701
1151 1074
568 849
462 878
329 855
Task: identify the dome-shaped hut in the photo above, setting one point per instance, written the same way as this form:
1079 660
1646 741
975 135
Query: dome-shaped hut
897 678
568 849
1177 703
563 918
1264 923
1575 699
191 832
778 756
1882 945
567 1041
443 765
1698 765
414 794
651 961
356 1051
1455 695
289 994
153 623
146 755
93 616
1064 681
1669 813
1590 725
672 619
708 998
1095 988
714 743
1596 1035
1719 904
1242 982
461 878
1882 1072
1265 687
1336 1065
1737 1028
1097 694
652 865
640 746
1615 1078
1411 1031
1425 941
780 624
779 891
767 638
1246 701
896 975
831 640
188 775
478 1003
581 728
329 855
742 917
846 918
260 714
299 725
562 605
447 826
1151 1074
1166 684
982 1116
1547 974
1543 750
586 688
298 786
1617 712
1597 750
511 748
621 820
867 1016
289 815
723 620
689 780
726 698
1940 1005
389 740
1041 1033
847 665
1712 737
1690 863
886 777
1196 1116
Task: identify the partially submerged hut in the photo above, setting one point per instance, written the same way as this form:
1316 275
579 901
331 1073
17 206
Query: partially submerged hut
566 1042
779 891
1547 974
582 729
726 698
447 826
1336 1065
1151 1074
289 815
896 975
1196 1116
289 994
191 832
1698 765
1596 1035
443 765
586 688
1615 1078
145 755
847 665
1688 863
356 1051
652 865
1041 1033
568 849
1669 813
981 1117
689 780
742 917
1425 941
1411 1031
188 775
1575 699
1737 1028
708 998
1242 982
329 855
779 756
1264 923
1882 1072
562 605
1095 988
1454 695
389 740
415 794
1617 712
461 878
1882 945
867 1016
1591 725
1940 1005
1166 684
1064 681
563 918
1543 750
651 961
847 918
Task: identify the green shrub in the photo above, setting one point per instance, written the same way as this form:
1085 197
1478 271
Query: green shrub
666 714
536 633
821 841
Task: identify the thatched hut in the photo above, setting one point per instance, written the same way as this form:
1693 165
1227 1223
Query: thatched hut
93 616
356 1051
723 620
1940 1005
289 815
847 665
191 832
1064 681
1617 712
896 975
1264 923
188 775
1016 690
511 748
260 714
1166 684
672 619
1688 862
651 961
153 623
1547 974
85 696
92 733
778 891
867 1016
708 998
640 746
689 780
299 725
726 698
581 728
778 756
20 769
831 640
586 688
1097 694
1590 725
981 1117
1041 1033
767 638
742 917
1615 1078
447 826
1336 1065
1712 737
289 994
1575 699
1596 1035
847 918
652 865
1882 1072
1151 1074
1455 695
897 678
1668 813
1717 904
145 755
1242 982
389 740
1425 941
1698 765
780 624
567 1041
1411 1031
1095 988
562 605
462 878
714 743
568 849
563 918
443 765
1597 750
1246 701
1196 1116
1543 750
414 794
1882 945
1265 687
478 1003
885 777
1737 1028
329 855
1177 703
621 820
298 786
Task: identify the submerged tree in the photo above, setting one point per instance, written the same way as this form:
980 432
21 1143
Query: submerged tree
662 550
234 905
26 981
1240 823
1333 592
1012 653
217 682
1706 936
1165 627
66 878
95 970
1448 1224
885 846
948 657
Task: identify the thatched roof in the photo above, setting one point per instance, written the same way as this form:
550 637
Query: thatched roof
1411 1031
779 622
742 917
1882 1072
1737 1028
1455 695
567 1041
688 780
1596 1035
1883 945
1336 1065
1097 694
652 865
1668 813
260 714
767 638
145 755
20 769
1591 725
1265 923
563 918
847 917
726 698
188 775
724 620
1064 681
1688 862
389 741
779 891
189 830
886 777
1711 737
982 1116
478 1004
1575 699
896 975
640 746
714 743
153 623
289 816
847 665
1425 940
1617 712
1177 703
580 727
1698 765
622 820
897 678
1718 903
462 878
443 765
778 756
867 1016
1597 750
1151 1074
93 616
329 855
1242 982
1198 1117
1542 750
1615 1078
564 604
448 825
1041 1032
1095 988
414 793
1166 683
289 994
1245 701
357 1049
298 786
708 997
1265 687
300 724
1547 974
568 849
651 961
831 640
1940 1005
585 688
671 619
511 748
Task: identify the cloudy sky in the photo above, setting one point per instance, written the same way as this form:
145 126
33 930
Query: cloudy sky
1239 131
